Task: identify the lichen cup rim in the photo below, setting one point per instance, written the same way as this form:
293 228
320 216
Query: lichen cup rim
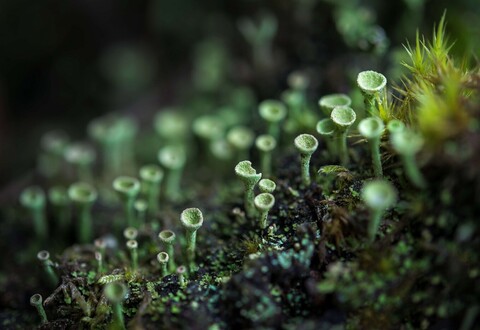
126 184
245 169
343 116
191 218
371 127
264 201
379 194
151 172
167 236
328 102
265 142
172 157
325 127
407 142
371 81
272 110
306 143
82 192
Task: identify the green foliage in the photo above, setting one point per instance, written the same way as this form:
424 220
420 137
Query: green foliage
332 169
435 96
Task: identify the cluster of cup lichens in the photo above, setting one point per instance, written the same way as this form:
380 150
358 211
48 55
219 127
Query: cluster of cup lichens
62 161
378 194
140 196
191 219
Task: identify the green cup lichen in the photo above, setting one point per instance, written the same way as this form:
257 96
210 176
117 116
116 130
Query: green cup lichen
151 177
407 144
33 199
130 233
171 126
295 101
298 80
167 237
116 293
141 208
222 150
306 145
249 176
37 301
173 159
99 258
326 128
162 259
371 84
83 195
208 128
395 126
241 138
132 246
267 186
191 220
264 202
115 134
328 102
58 198
372 129
181 271
53 145
265 144
127 189
44 258
81 156
378 195
273 112
343 117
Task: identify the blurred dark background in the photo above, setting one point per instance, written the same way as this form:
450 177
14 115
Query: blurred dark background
63 63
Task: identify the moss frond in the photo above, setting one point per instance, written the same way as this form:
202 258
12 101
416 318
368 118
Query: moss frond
432 97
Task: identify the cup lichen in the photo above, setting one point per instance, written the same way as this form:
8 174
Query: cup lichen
306 145
83 195
372 129
264 202
343 117
250 178
191 220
